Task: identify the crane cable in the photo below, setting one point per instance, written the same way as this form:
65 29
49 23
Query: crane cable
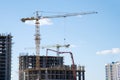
64 27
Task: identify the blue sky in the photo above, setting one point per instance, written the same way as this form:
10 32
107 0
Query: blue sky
96 36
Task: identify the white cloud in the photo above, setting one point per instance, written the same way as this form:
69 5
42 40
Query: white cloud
111 51
42 22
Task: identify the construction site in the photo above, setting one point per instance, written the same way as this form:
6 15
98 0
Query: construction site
50 69
37 67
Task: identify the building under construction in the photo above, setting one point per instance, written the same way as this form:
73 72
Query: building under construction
5 56
51 68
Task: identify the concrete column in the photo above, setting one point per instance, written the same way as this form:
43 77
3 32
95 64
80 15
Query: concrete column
79 75
83 75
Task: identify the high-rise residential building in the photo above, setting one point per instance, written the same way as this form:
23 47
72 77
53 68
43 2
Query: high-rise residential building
113 71
5 56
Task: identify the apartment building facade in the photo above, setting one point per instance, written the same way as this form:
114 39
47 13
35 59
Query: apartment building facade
113 71
5 56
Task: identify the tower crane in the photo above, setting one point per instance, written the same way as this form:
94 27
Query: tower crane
57 46
37 29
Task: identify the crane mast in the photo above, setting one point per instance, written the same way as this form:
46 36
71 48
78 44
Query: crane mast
37 41
37 37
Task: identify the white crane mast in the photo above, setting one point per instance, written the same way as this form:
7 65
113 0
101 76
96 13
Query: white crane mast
37 41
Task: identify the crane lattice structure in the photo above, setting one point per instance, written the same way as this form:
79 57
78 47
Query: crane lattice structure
37 19
57 46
